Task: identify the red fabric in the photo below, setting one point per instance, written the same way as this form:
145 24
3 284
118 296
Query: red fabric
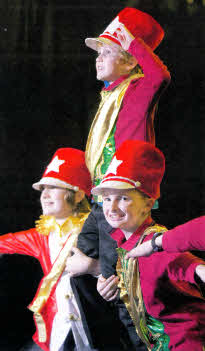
142 25
139 24
171 295
31 243
138 162
73 170
136 116
188 236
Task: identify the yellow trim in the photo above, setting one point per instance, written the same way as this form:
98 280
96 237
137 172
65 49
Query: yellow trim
41 327
73 226
130 289
104 122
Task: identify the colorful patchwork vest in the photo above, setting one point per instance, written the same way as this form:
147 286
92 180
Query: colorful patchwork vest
149 329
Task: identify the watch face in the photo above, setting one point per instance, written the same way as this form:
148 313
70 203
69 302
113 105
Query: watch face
153 243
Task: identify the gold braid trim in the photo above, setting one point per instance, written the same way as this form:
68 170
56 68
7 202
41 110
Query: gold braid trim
130 289
74 224
47 224
104 121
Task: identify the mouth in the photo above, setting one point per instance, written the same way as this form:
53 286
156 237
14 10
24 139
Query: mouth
116 218
47 204
99 68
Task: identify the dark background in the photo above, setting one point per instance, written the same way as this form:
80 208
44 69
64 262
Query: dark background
48 98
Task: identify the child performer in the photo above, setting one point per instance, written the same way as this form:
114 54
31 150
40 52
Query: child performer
134 80
160 292
59 324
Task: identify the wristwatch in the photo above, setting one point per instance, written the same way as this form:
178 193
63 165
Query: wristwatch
153 243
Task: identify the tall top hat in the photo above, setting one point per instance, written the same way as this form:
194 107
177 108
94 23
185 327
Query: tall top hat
135 165
129 24
67 169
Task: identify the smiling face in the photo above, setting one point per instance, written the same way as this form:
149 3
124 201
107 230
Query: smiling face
54 202
125 209
110 64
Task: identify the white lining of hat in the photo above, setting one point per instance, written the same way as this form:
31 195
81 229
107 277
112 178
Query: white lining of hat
137 184
54 182
114 183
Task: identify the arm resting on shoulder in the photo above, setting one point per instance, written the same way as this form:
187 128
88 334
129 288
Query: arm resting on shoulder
188 236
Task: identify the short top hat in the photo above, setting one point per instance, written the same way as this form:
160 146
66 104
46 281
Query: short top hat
129 24
67 169
135 165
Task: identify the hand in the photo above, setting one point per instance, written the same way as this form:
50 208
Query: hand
200 271
108 288
144 249
80 264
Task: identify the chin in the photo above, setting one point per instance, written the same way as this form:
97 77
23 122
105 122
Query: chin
100 78
115 224
47 212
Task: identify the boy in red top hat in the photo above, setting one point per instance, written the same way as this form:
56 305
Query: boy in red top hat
57 315
134 80
160 292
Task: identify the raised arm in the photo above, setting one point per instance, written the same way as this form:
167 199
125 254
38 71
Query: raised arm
135 119
153 68
27 242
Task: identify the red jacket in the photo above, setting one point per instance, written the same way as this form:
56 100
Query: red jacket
170 293
136 117
188 236
31 243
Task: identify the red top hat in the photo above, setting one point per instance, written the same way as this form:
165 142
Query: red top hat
67 169
135 165
129 24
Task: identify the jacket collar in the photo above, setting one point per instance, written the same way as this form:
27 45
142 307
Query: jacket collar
119 236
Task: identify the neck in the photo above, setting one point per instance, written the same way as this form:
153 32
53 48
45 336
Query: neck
128 233
60 221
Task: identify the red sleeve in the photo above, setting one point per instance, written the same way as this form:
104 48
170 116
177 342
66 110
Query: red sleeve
26 243
189 236
183 267
135 119
153 68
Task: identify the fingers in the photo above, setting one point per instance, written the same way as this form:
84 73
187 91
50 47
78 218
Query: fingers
132 254
76 251
144 249
108 288
114 296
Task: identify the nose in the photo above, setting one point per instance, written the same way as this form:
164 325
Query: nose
45 193
114 205
99 57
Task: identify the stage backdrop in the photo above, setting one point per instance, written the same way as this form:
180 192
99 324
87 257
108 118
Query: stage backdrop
48 98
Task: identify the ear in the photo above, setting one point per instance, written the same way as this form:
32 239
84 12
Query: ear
149 204
79 196
131 63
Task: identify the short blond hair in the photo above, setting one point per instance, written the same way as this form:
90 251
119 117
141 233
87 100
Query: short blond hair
82 207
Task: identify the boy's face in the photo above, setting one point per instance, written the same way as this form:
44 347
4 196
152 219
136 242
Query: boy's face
110 64
125 209
54 203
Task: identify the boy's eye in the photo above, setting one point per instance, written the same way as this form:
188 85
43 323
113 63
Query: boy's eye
106 199
125 198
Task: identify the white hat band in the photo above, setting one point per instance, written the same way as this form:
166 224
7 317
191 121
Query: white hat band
54 182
